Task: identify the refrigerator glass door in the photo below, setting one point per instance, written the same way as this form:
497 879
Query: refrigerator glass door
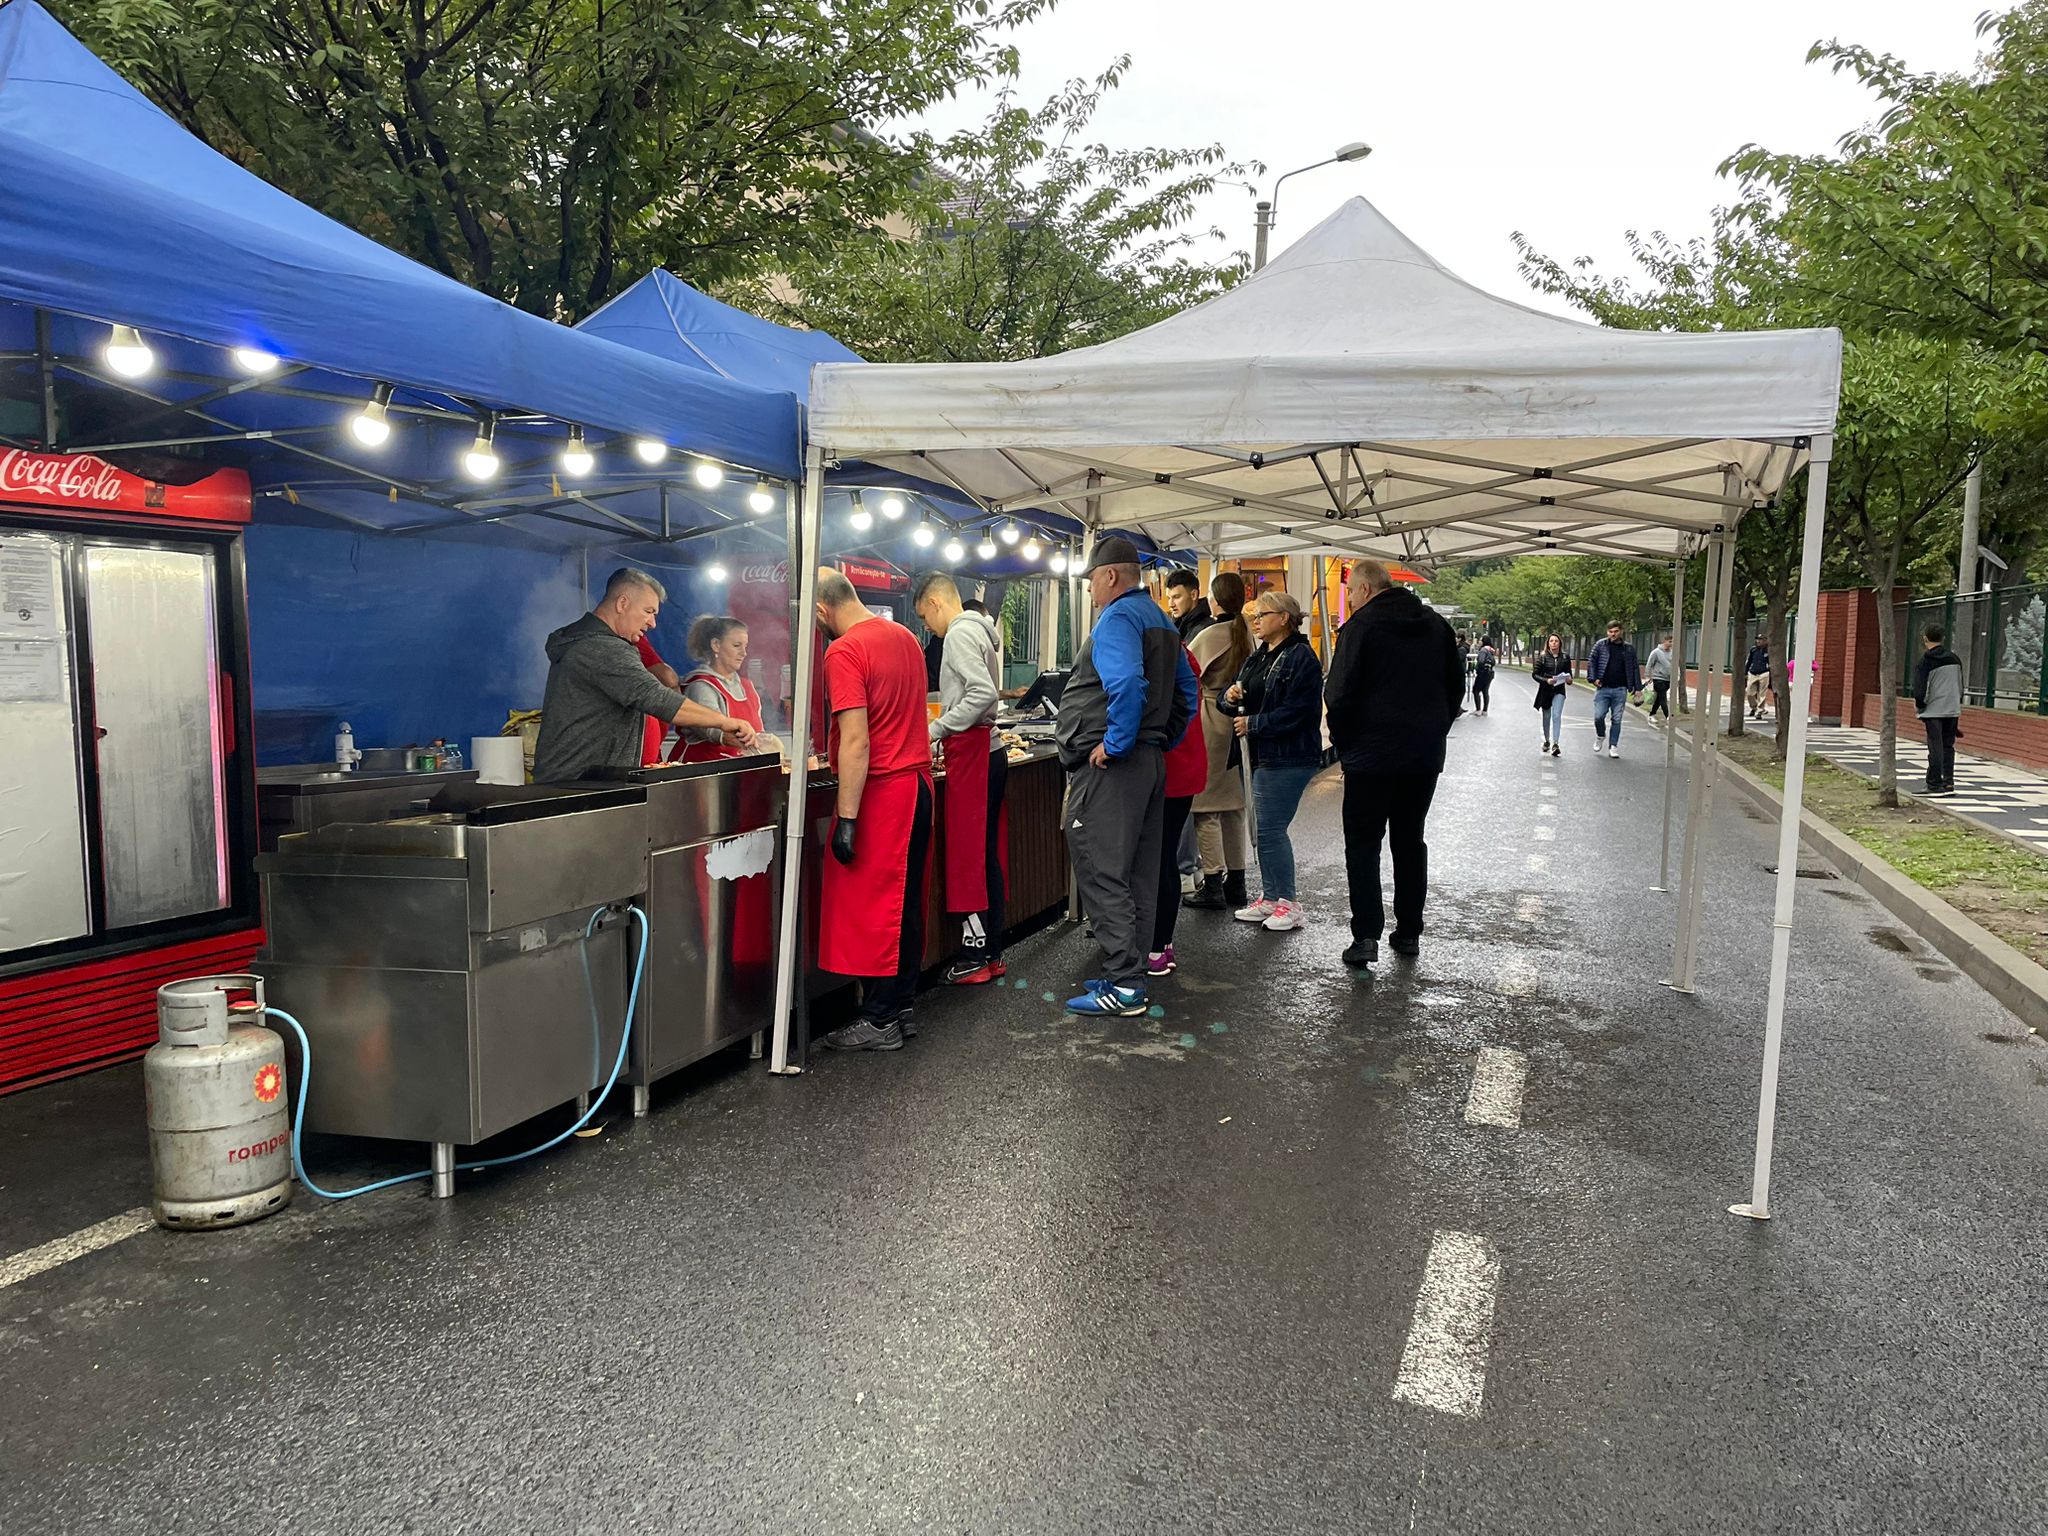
151 613
43 893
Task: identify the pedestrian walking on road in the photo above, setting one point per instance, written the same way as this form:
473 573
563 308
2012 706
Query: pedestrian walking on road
1395 687
1483 660
1220 652
1130 695
1278 704
1553 669
1658 668
1187 770
1938 696
1756 688
1615 675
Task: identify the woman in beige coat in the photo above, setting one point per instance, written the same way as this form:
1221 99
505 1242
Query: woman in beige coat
1220 651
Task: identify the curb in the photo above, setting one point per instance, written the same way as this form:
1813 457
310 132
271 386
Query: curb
2016 982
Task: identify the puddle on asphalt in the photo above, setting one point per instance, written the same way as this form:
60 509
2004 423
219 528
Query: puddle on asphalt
1891 939
1932 973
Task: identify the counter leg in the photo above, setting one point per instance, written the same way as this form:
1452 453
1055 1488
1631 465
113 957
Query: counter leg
640 1101
755 1046
583 1103
444 1169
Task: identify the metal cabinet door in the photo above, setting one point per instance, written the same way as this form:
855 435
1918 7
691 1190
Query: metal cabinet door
43 890
152 616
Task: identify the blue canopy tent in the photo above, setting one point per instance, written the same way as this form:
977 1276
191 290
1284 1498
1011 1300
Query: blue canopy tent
261 330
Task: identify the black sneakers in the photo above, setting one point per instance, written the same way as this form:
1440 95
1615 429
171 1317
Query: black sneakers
866 1035
1362 953
1405 943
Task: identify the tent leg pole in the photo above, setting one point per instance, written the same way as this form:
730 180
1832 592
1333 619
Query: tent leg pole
1696 778
1671 721
1758 1206
789 961
1711 762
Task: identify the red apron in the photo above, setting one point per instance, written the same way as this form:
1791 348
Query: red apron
966 869
744 705
860 905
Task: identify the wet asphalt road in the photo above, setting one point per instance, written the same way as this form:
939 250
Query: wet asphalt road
1034 1274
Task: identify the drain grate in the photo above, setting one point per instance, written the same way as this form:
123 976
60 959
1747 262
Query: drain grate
1806 873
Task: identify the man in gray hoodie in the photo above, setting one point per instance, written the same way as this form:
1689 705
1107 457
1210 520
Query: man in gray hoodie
1938 696
599 690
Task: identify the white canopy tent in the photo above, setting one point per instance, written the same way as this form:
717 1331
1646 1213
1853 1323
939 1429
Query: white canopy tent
1356 398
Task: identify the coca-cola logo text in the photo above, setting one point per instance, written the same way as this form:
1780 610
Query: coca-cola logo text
776 574
60 477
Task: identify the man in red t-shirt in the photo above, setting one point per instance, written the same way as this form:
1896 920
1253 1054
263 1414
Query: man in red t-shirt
872 896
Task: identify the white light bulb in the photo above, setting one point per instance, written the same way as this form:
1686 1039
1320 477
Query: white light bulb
987 548
128 354
577 459
371 426
481 462
708 474
716 571
760 499
650 450
1058 562
860 519
1010 533
254 360
1032 549
954 551
922 536
892 506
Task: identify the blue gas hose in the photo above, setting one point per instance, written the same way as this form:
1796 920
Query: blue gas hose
618 1065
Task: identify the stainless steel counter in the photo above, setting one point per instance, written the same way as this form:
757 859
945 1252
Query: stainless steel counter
439 965
304 797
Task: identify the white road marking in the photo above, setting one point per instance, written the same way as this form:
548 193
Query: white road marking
1538 863
1547 790
1444 1364
62 1250
1546 810
1529 908
1518 978
1497 1079
1545 834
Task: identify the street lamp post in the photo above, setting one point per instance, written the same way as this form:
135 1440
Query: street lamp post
1266 210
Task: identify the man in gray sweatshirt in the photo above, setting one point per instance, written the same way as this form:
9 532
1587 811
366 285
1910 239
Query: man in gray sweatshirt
1938 696
599 690
977 774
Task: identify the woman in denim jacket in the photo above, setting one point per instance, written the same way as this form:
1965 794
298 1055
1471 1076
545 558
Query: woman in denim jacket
1278 703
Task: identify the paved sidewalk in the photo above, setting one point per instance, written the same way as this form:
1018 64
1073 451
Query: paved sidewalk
2008 798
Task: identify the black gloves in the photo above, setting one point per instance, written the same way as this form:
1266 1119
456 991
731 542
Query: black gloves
842 840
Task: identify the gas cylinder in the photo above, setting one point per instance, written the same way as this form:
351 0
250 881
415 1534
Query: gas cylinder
219 1120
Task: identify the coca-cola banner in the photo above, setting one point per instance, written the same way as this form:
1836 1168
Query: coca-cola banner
78 482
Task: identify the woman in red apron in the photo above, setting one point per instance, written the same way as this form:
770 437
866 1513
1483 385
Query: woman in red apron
718 642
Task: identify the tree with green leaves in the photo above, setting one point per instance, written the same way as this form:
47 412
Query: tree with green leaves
549 152
1039 240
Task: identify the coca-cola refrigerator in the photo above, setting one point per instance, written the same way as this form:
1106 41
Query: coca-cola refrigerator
127 779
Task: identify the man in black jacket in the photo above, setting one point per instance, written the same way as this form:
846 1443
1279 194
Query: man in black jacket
1395 686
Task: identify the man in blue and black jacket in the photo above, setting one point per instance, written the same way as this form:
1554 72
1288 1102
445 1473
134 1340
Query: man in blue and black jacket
1130 697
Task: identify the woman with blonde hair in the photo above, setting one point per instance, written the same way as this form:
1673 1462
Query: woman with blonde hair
1278 702
718 643
1220 652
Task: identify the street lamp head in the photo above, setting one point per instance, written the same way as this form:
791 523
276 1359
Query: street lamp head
1354 151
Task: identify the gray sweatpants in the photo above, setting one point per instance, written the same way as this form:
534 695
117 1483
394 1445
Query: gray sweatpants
1115 820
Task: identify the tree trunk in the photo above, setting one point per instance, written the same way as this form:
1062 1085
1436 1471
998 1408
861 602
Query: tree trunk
1886 569
1739 657
1777 634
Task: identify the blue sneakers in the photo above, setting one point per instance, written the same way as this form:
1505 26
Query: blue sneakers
1103 1000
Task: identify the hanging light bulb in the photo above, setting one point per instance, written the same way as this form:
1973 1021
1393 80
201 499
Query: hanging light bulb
1032 548
481 462
255 360
127 353
860 519
649 450
954 551
760 499
987 548
1058 563
893 506
577 459
716 571
923 536
1010 533
708 474
371 426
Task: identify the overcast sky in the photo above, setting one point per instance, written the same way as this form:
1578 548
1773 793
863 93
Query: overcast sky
1573 120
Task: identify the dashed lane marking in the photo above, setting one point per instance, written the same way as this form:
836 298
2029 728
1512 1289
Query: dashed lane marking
1443 1366
1545 834
1497 1079
1529 908
1538 864
62 1250
1546 810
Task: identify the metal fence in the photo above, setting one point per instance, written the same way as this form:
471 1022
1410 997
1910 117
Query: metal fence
1998 637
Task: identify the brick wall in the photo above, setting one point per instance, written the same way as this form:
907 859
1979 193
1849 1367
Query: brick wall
1845 650
2004 734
